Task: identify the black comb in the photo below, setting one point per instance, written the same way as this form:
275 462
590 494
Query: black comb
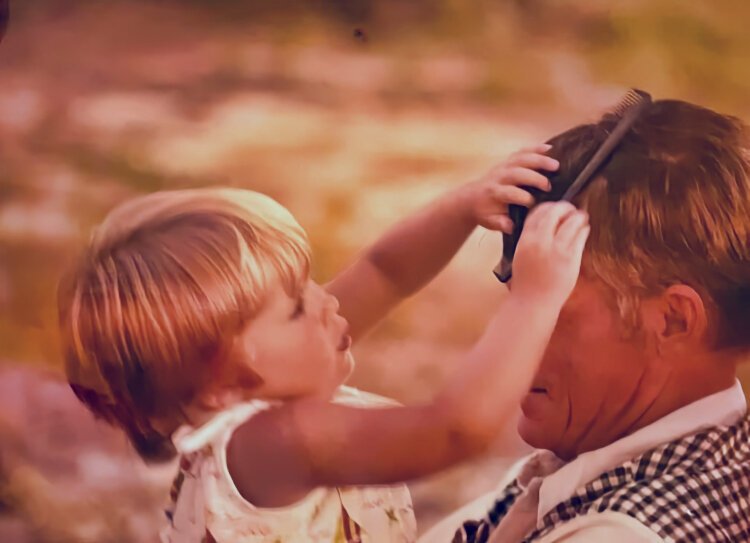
628 109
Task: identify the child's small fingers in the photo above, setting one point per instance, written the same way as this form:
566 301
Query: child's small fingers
569 228
500 223
543 147
579 241
510 194
538 149
524 176
535 161
545 218
535 148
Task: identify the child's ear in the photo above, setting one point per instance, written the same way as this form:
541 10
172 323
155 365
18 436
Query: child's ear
210 401
237 369
240 364
219 398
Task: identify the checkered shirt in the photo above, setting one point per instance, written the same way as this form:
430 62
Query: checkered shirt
696 488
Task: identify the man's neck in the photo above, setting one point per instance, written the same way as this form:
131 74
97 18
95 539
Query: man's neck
676 390
678 394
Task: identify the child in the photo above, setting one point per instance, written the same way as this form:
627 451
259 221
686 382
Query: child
192 324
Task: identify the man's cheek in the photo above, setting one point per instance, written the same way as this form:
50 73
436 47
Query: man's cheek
587 384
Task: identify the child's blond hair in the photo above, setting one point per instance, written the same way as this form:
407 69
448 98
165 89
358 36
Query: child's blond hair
166 283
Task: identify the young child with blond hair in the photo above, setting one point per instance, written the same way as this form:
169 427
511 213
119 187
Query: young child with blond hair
192 323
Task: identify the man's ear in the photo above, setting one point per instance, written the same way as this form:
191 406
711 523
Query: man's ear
677 318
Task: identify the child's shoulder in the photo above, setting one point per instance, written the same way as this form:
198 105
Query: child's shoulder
217 429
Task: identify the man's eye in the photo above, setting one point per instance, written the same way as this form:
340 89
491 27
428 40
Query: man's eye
299 309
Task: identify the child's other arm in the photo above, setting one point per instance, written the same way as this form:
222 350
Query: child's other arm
413 252
279 455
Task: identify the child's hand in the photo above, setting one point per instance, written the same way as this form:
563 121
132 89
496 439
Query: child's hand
548 257
489 197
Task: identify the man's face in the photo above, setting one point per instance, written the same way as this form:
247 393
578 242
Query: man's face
594 382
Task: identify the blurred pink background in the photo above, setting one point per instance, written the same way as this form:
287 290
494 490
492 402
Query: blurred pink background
352 114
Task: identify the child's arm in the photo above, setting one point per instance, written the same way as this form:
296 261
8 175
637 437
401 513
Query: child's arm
413 252
279 455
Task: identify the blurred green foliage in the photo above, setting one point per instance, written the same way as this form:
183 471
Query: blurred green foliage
696 50
693 50
350 112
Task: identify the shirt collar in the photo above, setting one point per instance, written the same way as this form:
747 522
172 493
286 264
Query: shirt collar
723 408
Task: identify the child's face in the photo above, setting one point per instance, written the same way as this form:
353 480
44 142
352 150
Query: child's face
299 347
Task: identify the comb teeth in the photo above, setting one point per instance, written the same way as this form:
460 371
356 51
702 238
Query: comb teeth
626 112
632 98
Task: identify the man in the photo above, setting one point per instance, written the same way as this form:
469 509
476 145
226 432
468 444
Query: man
636 410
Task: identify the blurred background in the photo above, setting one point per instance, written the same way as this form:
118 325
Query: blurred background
352 113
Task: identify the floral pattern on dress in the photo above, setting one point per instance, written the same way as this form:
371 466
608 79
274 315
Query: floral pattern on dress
205 506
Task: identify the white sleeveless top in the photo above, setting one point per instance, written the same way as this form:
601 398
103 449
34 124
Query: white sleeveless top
206 507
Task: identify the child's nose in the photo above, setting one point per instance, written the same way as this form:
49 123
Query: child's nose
333 303
330 307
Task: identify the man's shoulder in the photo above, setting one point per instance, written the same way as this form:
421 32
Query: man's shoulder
514 470
608 526
446 528
678 489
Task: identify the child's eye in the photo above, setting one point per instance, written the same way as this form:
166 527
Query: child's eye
299 309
